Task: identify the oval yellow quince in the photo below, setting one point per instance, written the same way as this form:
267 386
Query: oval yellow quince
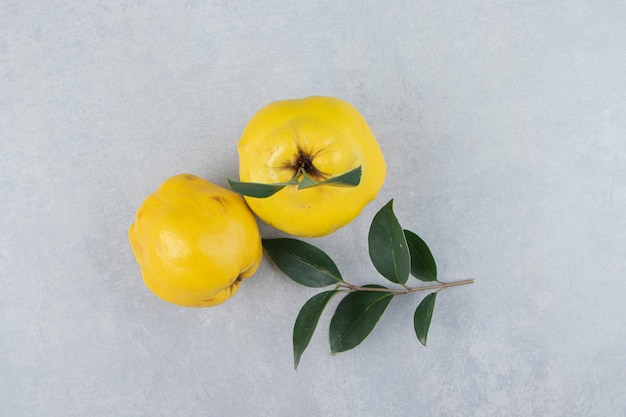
195 241
323 136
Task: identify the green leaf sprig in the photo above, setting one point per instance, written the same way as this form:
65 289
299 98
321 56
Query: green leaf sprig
351 178
396 254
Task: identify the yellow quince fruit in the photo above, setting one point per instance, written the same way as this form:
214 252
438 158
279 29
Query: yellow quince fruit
195 241
323 137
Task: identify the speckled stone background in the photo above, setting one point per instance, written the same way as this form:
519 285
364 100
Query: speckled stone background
504 127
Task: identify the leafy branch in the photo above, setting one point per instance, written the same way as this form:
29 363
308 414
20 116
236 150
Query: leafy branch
406 290
396 254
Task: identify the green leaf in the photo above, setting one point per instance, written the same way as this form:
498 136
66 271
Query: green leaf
307 181
355 318
302 262
349 179
259 190
255 189
388 248
423 265
423 316
306 322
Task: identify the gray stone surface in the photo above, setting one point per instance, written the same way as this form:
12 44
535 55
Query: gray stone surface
504 128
